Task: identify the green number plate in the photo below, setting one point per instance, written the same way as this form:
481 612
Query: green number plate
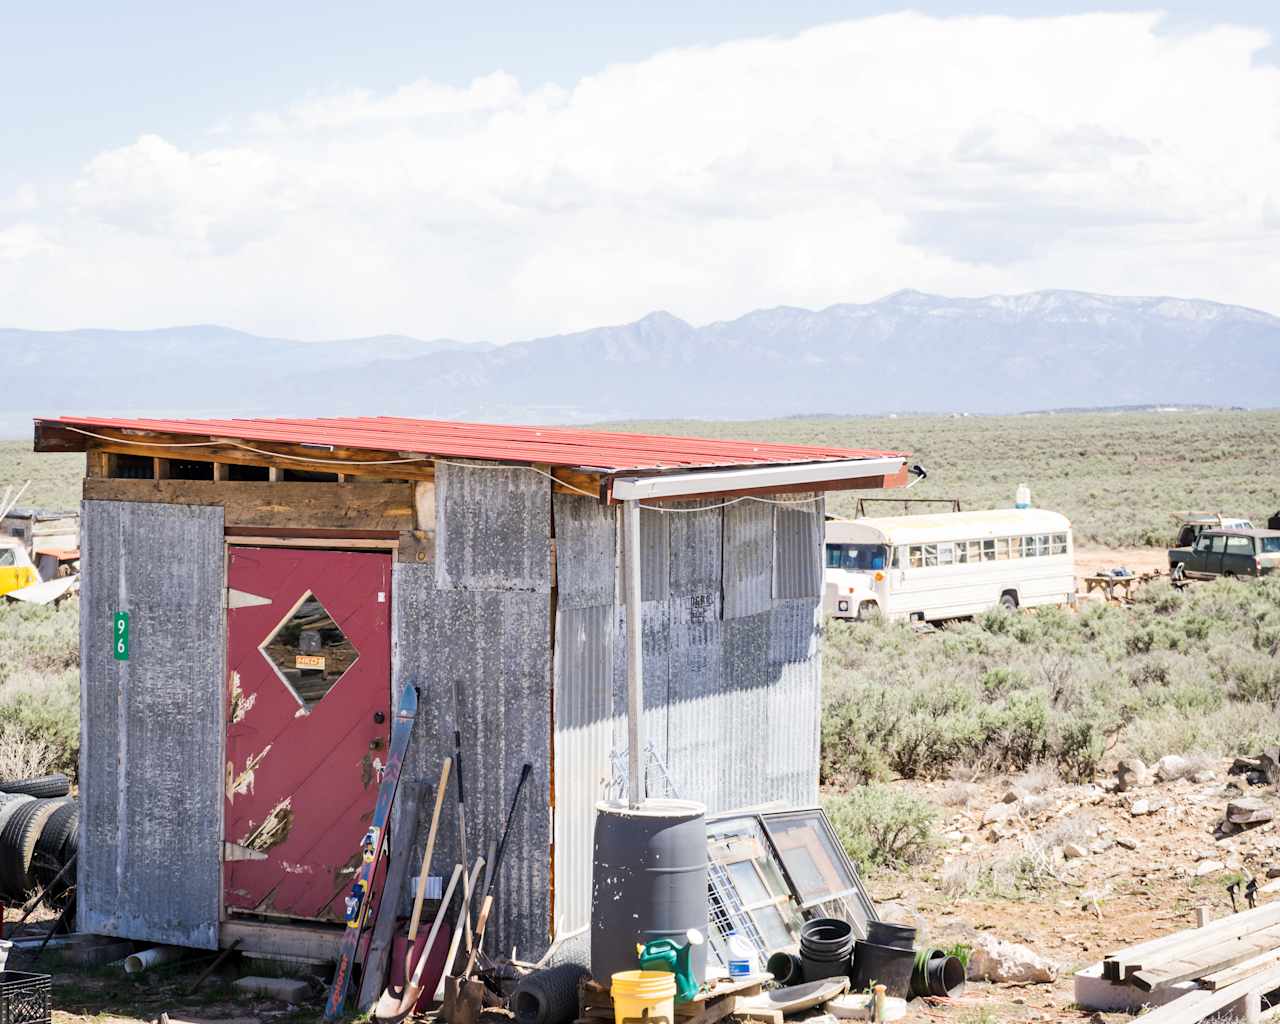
120 636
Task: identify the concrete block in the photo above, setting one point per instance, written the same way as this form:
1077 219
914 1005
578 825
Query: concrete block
287 990
1093 992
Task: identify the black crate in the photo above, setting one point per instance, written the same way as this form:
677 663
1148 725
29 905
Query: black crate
24 998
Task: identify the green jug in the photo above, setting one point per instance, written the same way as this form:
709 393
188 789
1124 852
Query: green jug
668 955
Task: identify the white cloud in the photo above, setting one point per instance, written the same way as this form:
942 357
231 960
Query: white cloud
956 155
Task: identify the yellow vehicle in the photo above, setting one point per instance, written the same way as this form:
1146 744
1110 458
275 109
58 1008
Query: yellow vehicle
16 570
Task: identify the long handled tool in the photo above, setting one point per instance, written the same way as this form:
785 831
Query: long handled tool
456 941
487 905
462 813
425 870
468 996
389 1007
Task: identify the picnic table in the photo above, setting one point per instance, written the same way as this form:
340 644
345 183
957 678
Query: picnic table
1118 588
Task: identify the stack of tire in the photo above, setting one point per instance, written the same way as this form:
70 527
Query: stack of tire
39 835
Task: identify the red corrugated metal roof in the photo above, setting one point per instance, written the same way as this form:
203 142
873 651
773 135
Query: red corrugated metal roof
557 446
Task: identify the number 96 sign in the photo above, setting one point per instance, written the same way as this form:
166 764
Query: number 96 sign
120 636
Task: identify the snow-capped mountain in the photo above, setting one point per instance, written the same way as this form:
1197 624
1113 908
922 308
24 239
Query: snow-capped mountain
907 351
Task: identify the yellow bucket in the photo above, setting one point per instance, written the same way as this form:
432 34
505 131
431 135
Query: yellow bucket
644 995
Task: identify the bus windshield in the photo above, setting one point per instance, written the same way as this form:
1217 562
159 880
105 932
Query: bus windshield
857 556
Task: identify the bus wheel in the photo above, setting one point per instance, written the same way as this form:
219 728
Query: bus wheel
867 611
1009 601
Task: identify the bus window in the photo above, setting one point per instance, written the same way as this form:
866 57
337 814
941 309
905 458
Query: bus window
988 551
975 551
917 556
901 557
1059 544
1002 549
857 557
962 552
1042 545
946 554
930 554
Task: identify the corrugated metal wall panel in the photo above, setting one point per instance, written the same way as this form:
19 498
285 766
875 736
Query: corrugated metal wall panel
151 781
492 529
731 681
798 536
498 646
695 543
747 580
584 722
586 552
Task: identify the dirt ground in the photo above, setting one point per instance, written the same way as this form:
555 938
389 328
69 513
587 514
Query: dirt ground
1090 561
1140 875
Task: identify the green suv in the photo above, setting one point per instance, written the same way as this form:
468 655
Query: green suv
1228 553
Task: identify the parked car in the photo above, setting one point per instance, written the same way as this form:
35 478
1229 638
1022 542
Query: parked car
16 570
1192 524
1228 553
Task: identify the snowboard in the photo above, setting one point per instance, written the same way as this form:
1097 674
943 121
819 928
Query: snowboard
358 899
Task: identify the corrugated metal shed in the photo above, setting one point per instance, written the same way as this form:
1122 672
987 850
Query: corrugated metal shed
151 795
555 446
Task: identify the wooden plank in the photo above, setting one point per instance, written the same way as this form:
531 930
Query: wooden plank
1240 971
572 481
1123 962
364 506
374 972
1222 954
1196 1006
97 462
315 942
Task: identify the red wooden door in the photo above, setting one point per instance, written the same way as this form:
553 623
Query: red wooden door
308 695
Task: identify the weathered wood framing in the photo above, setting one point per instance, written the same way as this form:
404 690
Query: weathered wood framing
364 506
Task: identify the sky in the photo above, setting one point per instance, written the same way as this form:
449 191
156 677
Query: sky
495 172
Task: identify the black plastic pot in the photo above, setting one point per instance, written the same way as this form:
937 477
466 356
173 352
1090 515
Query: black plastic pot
885 933
786 968
937 974
825 948
890 966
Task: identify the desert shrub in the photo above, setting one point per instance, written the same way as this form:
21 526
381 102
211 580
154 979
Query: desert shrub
40 684
882 826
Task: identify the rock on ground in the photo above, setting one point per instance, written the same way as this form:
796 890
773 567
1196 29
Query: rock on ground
993 959
1132 773
1172 767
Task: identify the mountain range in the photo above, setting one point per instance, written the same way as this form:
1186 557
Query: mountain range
907 351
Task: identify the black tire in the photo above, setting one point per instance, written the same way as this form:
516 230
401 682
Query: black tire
44 786
14 857
1009 601
867 611
47 860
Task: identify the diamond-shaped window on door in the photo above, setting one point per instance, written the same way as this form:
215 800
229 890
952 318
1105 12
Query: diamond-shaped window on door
309 651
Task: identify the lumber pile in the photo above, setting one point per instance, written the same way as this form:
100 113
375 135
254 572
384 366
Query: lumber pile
1229 966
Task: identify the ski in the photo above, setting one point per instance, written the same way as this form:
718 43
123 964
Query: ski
370 850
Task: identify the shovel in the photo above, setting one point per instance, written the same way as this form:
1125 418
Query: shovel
390 1008
469 998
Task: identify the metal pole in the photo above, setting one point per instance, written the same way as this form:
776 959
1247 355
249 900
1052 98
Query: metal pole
635 651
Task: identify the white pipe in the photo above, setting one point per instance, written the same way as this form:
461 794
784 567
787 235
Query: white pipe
637 488
635 652
139 962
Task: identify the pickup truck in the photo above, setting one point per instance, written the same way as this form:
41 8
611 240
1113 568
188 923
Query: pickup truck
1220 552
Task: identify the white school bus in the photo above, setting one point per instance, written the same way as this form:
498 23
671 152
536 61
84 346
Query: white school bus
948 565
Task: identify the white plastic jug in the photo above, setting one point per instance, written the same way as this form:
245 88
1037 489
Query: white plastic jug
1022 497
742 956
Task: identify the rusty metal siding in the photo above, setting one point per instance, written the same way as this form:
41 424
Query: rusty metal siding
498 645
584 738
152 726
493 528
586 552
747 573
797 562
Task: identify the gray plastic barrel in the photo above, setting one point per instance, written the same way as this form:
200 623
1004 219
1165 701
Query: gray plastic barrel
650 882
